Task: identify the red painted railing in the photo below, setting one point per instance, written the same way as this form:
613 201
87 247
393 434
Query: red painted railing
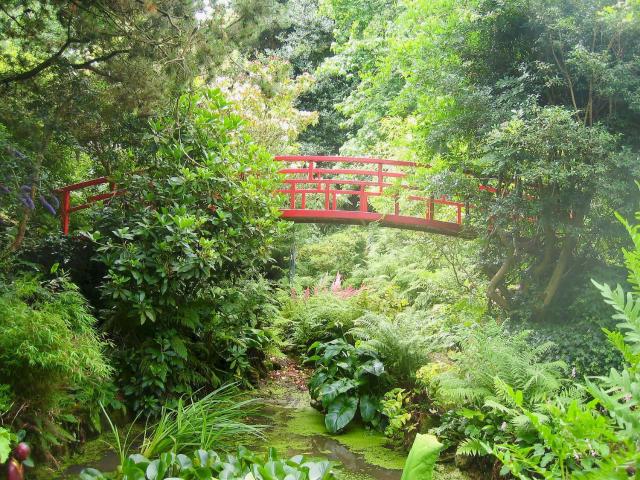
325 189
66 209
329 179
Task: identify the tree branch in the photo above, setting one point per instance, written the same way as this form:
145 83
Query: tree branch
38 68
101 58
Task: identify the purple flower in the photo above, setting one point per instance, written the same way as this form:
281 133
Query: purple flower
53 199
27 202
4 189
46 205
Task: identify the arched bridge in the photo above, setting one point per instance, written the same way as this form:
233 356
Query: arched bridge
331 189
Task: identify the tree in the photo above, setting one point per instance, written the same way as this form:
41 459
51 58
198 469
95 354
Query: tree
82 78
265 95
534 98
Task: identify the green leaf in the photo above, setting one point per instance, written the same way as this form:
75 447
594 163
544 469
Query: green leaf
91 474
340 412
368 407
179 347
5 444
374 367
329 392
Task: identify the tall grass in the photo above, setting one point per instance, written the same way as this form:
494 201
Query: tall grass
215 421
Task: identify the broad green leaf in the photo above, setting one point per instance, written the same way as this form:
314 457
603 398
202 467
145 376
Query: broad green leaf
369 406
340 412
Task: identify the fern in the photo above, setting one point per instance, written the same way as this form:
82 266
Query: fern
473 447
489 353
404 344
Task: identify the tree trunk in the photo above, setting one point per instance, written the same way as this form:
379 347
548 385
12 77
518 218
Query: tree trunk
566 254
493 290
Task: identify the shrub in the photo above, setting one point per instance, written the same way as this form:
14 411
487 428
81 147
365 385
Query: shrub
576 438
48 337
404 344
195 230
476 386
341 251
487 353
347 377
318 317
394 408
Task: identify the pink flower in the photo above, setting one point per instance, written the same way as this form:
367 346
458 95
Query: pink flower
337 283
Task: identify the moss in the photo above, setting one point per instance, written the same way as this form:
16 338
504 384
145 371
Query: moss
89 453
372 446
306 421
346 475
449 472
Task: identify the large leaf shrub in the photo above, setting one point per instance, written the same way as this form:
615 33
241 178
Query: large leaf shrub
190 237
209 465
348 380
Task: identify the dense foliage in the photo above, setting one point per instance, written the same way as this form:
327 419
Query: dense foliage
182 265
52 361
536 99
347 380
180 284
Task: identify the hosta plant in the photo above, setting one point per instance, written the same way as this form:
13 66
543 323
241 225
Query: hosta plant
208 465
348 380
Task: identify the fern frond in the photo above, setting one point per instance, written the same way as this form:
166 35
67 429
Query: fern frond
473 447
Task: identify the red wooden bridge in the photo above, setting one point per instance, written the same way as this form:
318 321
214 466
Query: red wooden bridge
327 189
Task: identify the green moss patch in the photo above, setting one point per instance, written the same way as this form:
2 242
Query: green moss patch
371 445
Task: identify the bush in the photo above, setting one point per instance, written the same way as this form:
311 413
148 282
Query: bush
347 380
340 252
320 317
571 435
404 344
48 337
489 352
194 231
476 386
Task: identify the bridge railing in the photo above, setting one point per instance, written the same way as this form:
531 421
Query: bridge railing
356 177
66 207
326 187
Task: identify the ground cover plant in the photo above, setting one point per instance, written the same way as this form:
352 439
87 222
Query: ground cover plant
207 464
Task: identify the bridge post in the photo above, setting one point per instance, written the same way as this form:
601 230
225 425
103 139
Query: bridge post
292 196
364 205
430 208
327 187
64 211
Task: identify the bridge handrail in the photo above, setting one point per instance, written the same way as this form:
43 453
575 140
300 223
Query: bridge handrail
324 180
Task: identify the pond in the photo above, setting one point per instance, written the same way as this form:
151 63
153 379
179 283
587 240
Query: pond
293 427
